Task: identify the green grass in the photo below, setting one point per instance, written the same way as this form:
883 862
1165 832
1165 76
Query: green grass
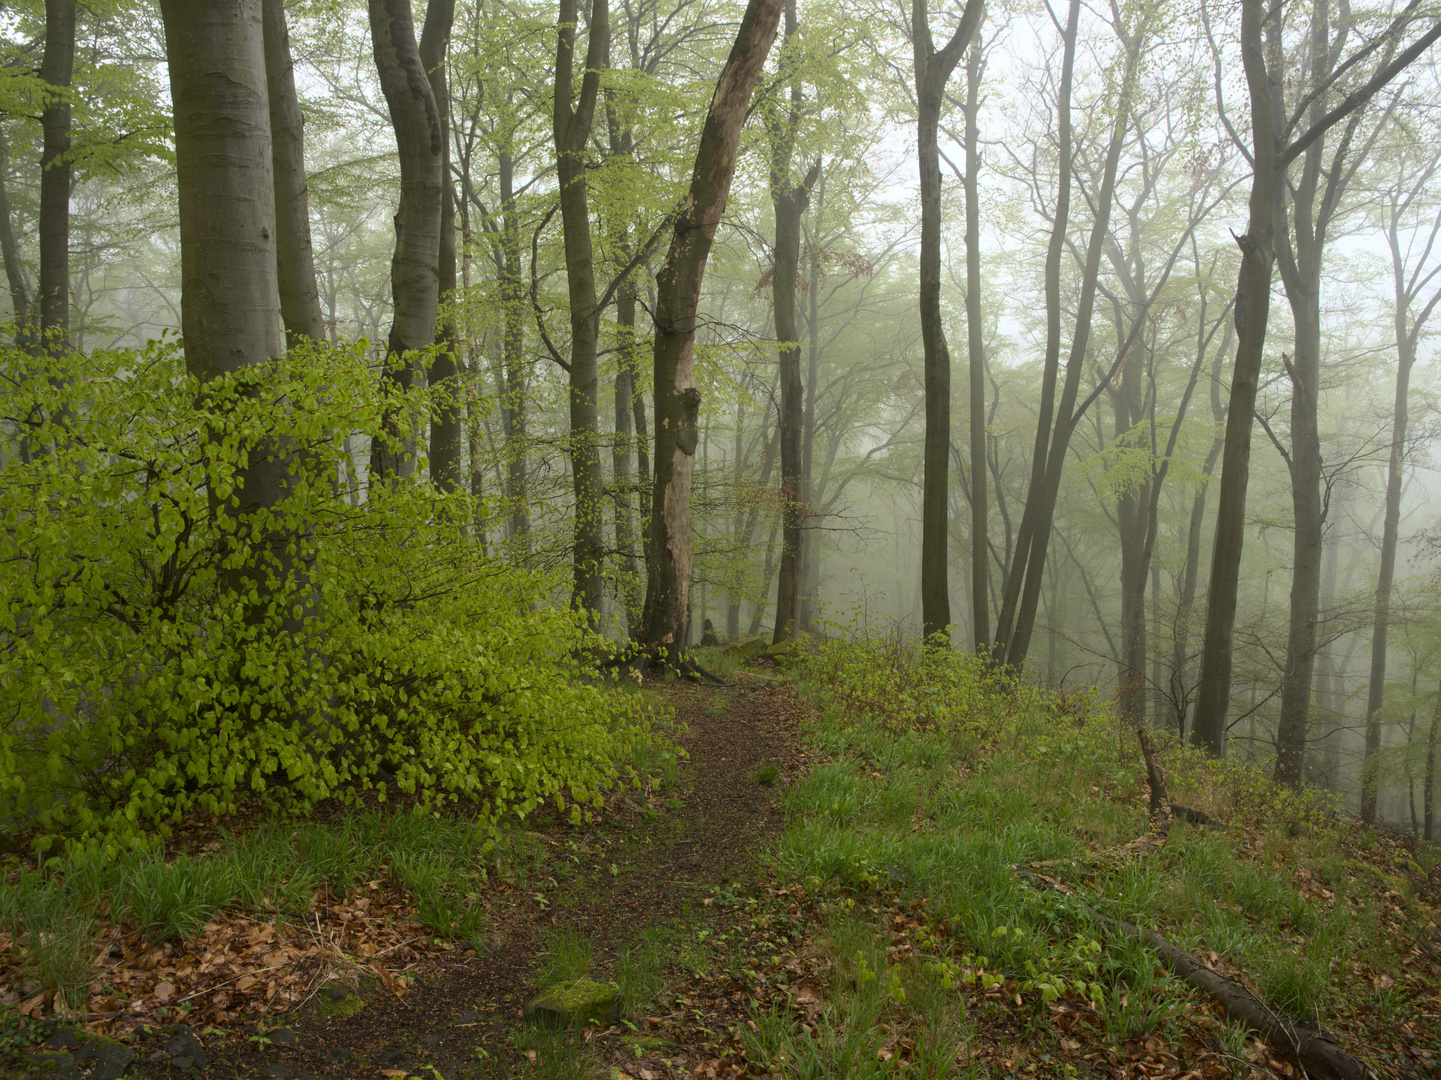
567 956
277 870
938 810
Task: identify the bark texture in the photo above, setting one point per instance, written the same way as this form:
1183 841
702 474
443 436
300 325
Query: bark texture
295 258
932 70
572 121
678 284
415 266
56 68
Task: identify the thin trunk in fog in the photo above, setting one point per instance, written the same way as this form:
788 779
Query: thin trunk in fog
571 127
15 279
788 199
678 285
1023 586
1428 793
56 67
1409 283
415 266
932 70
1313 206
515 366
1269 157
976 356
295 258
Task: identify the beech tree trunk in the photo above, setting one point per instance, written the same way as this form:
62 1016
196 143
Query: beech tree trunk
295 259
230 301
1022 595
677 402
932 70
571 128
1253 304
1407 328
789 201
415 266
1270 155
15 280
976 355
56 171
444 370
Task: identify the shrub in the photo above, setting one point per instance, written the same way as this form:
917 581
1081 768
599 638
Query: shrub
197 607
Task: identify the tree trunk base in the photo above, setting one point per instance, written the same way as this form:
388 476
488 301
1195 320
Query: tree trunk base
640 659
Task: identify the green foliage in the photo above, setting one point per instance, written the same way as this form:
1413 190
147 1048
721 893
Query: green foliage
568 956
196 610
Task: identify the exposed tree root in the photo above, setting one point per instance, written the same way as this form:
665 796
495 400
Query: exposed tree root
642 658
1316 1052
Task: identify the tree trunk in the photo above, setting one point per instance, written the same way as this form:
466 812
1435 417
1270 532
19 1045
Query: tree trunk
230 307
56 67
1253 303
932 70
571 128
789 201
677 402
1407 330
295 259
415 266
444 371
513 397
976 350
1023 587
1428 794
10 251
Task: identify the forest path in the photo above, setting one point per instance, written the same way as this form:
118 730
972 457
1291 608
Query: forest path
668 868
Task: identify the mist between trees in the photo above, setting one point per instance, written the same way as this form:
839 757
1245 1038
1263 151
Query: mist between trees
648 312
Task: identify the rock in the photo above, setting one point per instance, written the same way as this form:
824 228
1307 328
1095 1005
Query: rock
338 1055
337 999
283 1036
111 1058
749 650
62 1038
184 1048
430 1042
59 1065
467 1018
581 1003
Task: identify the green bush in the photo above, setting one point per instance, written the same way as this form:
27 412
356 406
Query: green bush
169 643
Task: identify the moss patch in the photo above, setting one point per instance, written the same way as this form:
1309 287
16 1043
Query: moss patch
578 1003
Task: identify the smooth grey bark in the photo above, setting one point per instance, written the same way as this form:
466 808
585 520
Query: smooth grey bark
57 66
1313 206
230 306
1269 157
976 356
415 266
572 121
445 420
678 284
932 69
230 303
295 258
1428 793
15 279
1408 285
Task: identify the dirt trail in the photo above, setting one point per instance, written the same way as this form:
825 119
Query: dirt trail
642 866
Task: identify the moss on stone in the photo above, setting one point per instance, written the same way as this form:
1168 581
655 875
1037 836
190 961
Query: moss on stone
578 1003
337 999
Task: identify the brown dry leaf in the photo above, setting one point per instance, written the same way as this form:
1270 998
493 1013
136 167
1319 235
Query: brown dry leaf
245 982
164 992
31 1006
394 1073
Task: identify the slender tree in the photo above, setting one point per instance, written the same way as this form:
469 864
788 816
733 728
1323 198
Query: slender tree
415 267
1271 152
932 69
56 172
295 258
1412 308
678 283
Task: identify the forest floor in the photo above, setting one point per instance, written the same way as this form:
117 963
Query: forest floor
671 892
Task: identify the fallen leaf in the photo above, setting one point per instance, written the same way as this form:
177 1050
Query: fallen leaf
164 992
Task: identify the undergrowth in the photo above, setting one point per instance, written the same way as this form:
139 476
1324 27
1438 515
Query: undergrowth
940 778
